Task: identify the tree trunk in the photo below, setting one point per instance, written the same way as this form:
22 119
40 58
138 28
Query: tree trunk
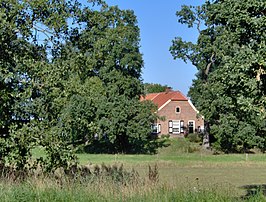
206 136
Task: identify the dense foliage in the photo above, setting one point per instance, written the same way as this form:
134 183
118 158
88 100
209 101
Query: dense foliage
155 88
70 75
230 85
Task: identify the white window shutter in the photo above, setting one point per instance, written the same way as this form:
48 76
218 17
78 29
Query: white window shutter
159 128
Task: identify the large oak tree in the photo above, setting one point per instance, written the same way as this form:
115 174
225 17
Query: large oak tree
68 72
230 86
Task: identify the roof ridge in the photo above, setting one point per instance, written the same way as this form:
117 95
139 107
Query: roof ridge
155 96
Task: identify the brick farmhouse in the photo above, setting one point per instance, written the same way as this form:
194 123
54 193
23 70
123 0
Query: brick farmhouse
180 115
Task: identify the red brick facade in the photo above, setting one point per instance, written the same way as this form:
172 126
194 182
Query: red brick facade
180 116
186 114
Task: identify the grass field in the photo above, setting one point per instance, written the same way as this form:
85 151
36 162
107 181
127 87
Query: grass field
179 167
186 173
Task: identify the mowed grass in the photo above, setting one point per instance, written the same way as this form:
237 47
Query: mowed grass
184 169
179 151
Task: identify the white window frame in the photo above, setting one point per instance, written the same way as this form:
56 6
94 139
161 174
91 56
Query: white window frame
171 126
179 110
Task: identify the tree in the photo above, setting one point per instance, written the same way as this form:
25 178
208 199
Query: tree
155 88
109 44
17 55
229 54
68 73
23 59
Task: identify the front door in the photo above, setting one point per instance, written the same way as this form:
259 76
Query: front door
191 127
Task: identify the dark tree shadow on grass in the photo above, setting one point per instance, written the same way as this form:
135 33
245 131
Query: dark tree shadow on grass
151 146
253 190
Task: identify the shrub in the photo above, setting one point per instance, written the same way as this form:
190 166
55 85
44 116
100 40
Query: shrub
194 137
165 136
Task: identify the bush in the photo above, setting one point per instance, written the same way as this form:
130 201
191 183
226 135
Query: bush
165 136
180 145
194 137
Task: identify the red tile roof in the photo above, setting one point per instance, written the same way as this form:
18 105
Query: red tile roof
161 98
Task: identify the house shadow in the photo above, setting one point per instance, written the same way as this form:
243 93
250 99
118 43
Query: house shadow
253 190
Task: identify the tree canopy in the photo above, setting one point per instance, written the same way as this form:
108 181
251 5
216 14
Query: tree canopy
155 88
70 74
230 86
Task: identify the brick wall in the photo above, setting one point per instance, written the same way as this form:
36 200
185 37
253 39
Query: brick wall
186 114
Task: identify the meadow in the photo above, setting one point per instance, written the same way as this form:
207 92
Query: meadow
185 164
179 172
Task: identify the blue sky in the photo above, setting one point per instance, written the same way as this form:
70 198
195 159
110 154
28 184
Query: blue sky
158 27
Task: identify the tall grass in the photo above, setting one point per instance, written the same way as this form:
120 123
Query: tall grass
49 190
114 183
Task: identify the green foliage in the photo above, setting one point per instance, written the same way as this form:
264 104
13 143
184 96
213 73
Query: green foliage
194 137
165 136
67 73
111 39
229 54
154 88
179 146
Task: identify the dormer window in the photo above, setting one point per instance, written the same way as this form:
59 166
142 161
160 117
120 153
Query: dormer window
177 110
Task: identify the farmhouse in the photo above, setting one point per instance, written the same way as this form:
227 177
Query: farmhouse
180 115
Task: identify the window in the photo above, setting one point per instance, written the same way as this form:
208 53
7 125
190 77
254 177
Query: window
174 126
177 110
156 128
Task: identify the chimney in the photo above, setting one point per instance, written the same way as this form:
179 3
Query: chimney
168 90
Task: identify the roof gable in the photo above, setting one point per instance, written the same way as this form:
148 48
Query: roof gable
160 99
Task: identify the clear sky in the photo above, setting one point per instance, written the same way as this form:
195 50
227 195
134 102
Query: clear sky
158 27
